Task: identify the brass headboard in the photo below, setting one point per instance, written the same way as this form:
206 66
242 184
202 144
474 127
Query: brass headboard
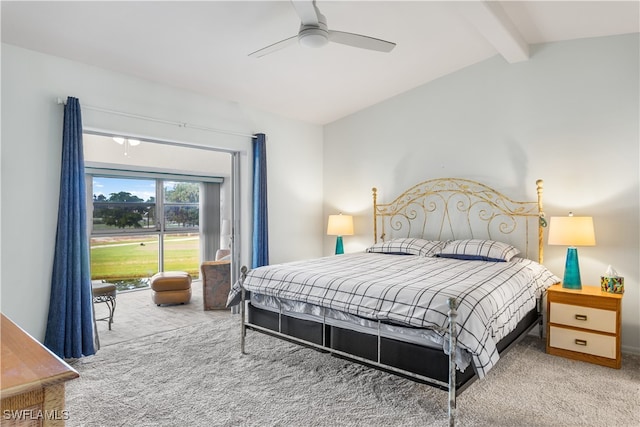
452 208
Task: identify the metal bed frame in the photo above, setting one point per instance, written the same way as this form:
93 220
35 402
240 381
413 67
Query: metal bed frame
485 213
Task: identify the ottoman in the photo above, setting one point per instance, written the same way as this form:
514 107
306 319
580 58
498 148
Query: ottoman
171 287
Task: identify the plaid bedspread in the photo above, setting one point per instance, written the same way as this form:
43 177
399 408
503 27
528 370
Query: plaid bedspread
414 290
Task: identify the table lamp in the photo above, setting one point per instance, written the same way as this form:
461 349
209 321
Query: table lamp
340 225
571 231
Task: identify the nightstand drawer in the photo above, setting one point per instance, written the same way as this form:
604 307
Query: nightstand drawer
583 342
583 317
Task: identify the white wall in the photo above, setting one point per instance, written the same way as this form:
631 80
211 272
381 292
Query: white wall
31 153
569 115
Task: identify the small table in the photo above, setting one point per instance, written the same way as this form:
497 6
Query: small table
584 324
216 284
32 380
106 293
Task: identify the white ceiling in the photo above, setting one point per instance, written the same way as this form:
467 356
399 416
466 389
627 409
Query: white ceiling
203 46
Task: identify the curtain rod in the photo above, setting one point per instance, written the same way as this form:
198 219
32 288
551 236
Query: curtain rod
154 119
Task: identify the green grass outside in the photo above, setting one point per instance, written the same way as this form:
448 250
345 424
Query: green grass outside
127 258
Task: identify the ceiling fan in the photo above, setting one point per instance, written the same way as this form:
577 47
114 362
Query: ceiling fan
315 33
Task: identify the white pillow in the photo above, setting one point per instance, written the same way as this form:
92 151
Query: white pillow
477 249
409 245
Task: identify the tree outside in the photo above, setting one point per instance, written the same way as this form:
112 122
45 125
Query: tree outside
123 210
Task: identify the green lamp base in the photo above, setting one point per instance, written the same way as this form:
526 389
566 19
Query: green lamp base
572 270
339 246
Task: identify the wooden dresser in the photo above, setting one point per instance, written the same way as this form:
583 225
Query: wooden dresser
584 324
33 380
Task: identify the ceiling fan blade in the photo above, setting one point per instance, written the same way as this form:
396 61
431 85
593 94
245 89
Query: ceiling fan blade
274 47
363 42
307 11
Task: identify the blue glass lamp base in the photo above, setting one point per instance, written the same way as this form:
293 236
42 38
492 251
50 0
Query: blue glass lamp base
572 270
339 246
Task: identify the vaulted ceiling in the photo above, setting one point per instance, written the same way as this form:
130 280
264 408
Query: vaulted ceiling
203 46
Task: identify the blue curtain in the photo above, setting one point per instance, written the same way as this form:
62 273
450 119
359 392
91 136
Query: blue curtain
260 223
70 323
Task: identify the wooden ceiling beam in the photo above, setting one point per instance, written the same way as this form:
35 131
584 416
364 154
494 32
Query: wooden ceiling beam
490 19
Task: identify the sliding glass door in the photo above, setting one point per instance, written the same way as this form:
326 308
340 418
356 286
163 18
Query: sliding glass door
142 226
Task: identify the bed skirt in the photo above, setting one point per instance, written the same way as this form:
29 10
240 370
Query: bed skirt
424 361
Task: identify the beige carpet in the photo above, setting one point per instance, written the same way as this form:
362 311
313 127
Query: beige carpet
196 376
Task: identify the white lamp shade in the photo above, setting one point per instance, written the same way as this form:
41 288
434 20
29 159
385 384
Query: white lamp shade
340 225
571 231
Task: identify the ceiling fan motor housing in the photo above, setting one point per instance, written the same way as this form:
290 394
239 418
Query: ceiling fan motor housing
314 35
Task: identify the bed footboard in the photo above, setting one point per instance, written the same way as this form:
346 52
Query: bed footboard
453 344
399 358
319 336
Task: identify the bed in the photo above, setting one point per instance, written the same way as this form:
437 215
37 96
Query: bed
453 279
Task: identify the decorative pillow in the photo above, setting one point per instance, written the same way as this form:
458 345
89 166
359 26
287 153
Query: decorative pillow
481 250
410 246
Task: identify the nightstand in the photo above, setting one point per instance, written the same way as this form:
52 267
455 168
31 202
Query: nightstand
584 324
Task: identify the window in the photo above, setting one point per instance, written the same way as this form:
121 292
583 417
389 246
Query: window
141 226
181 205
122 205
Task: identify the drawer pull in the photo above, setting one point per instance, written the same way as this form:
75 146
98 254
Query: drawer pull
581 342
581 317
